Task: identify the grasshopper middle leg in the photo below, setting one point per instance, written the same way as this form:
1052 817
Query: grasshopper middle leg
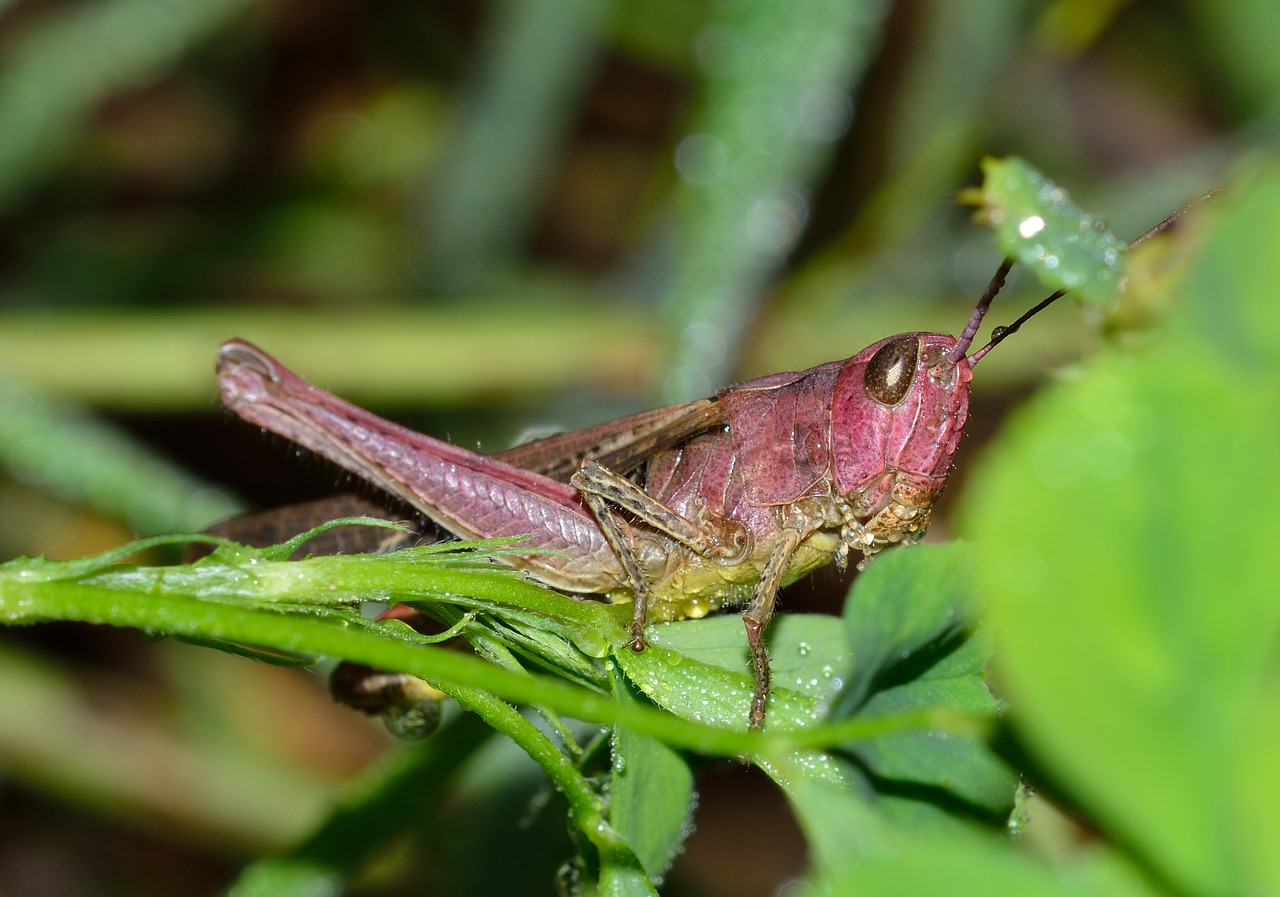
605 492
756 618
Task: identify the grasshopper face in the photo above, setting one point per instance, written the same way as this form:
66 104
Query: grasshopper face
897 414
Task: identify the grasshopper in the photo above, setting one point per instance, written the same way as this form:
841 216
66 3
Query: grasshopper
685 509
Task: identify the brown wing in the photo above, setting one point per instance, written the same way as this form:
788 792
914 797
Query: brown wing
621 445
265 528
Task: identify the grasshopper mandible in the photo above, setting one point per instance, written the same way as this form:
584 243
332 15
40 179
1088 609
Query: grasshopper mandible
684 509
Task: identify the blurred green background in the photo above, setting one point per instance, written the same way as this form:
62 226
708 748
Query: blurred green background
480 218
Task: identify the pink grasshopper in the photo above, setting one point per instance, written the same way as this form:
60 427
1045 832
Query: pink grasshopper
684 509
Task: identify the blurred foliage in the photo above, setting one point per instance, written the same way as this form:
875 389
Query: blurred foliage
1138 647
541 211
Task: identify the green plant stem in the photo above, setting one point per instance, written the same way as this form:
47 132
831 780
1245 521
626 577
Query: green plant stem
22 602
159 599
869 728
494 651
585 806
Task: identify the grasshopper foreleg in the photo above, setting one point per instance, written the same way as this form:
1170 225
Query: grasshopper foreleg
593 478
618 535
604 491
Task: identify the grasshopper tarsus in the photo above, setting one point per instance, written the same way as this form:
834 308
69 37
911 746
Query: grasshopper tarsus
763 676
759 701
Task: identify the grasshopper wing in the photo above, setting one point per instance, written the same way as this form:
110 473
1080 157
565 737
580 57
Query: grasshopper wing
622 445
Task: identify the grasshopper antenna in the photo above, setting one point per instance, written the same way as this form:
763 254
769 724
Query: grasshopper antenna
979 312
999 334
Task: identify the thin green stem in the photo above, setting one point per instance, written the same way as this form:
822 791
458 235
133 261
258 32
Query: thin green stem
584 804
170 614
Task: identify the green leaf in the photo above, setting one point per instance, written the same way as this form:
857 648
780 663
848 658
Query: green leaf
952 766
961 864
286 549
1036 223
1241 324
903 650
907 601
841 825
913 651
1128 525
650 793
699 669
42 570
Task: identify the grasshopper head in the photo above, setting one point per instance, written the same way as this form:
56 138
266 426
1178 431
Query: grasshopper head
897 413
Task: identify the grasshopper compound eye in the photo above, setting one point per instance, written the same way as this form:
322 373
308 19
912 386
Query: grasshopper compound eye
891 369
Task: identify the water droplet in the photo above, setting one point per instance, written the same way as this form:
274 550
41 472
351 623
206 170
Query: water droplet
775 221
1031 226
708 342
701 159
824 113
